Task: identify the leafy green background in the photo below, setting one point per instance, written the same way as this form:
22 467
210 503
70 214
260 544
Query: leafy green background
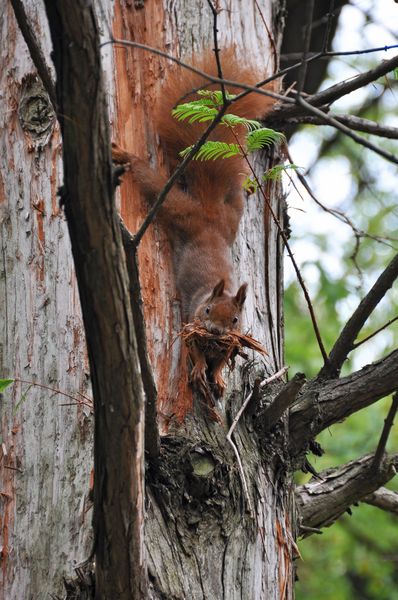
356 558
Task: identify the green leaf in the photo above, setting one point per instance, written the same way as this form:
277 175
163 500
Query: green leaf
250 185
22 399
4 383
214 150
260 138
233 120
275 173
194 112
396 73
216 96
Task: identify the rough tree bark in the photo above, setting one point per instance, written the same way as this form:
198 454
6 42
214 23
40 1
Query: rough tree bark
220 509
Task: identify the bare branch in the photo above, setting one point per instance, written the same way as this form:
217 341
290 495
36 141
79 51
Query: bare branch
309 9
346 339
286 398
210 78
383 498
351 121
343 128
324 403
229 439
152 439
291 256
326 55
322 501
371 335
334 92
177 173
35 51
388 423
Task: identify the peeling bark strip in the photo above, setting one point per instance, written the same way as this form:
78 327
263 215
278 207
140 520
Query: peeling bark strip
103 285
321 502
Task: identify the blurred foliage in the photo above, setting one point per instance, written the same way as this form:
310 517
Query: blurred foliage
356 558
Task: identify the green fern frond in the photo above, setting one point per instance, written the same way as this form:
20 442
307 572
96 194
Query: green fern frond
250 185
216 96
260 138
213 151
194 112
233 120
275 173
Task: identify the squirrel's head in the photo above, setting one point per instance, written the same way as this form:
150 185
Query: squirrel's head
221 312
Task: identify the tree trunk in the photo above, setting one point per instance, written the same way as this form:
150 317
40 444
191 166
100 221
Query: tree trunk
206 536
46 436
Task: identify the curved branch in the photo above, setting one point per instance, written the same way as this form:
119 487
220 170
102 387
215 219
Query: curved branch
346 339
346 130
334 92
286 397
322 501
351 121
383 498
325 403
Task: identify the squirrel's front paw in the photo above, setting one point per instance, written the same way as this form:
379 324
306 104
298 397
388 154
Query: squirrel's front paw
198 374
219 384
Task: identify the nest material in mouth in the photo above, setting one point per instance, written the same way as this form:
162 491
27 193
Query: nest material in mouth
215 346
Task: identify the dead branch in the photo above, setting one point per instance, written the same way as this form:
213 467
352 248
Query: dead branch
334 92
347 131
351 121
345 342
322 501
152 439
324 403
229 439
383 498
35 51
286 398
388 423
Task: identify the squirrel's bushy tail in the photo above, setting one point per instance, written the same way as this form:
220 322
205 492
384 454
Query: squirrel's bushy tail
178 135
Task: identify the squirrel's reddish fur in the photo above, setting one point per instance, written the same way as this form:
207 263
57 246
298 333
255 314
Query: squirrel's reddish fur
202 213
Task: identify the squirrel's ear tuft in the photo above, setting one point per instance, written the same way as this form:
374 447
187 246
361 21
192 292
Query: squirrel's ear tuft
241 295
218 290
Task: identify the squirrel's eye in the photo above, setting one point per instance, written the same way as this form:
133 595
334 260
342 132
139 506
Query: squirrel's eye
207 310
235 320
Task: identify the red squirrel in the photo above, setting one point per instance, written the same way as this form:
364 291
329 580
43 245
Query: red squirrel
202 213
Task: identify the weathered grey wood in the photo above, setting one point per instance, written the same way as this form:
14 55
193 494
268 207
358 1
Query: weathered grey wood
201 540
47 437
324 499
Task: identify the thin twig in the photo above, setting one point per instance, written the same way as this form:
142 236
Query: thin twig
270 36
352 121
330 15
176 174
388 423
88 402
345 341
206 76
309 9
332 121
35 51
337 91
370 336
152 439
280 373
314 55
291 256
216 49
338 214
